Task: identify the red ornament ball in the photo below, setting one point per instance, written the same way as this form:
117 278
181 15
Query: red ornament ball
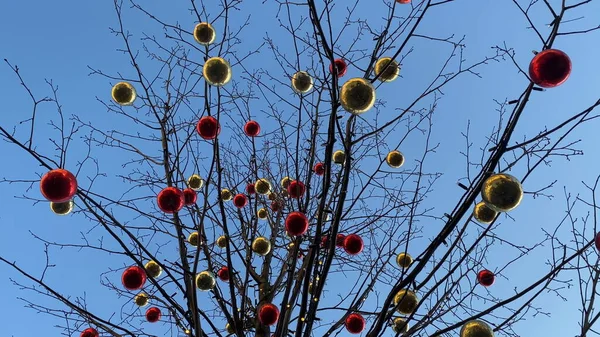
324 241
597 241
341 66
296 189
268 314
403 1
319 169
208 127
250 189
89 332
58 185
223 274
240 200
252 129
275 206
133 278
353 244
339 240
355 323
153 315
550 68
296 223
486 278
189 196
170 200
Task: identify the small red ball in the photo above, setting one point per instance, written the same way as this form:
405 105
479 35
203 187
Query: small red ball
275 206
341 66
550 68
189 196
252 129
324 241
339 240
58 185
486 278
250 189
353 244
296 223
89 332
296 189
223 274
268 314
208 127
597 241
355 323
133 278
319 169
403 1
170 200
240 200
153 315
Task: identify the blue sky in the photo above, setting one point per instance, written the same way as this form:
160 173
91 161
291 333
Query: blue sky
58 40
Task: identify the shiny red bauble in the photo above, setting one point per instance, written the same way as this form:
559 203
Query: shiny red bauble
486 278
153 315
275 206
189 196
250 189
550 68
252 129
268 314
355 323
133 278
296 223
341 66
296 189
597 241
58 185
89 332
339 240
353 244
223 274
240 200
170 200
208 127
319 169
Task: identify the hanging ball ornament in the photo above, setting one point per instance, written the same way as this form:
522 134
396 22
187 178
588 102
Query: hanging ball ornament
486 278
62 208
353 244
141 299
204 33
339 240
339 157
400 325
355 323
250 189
268 314
205 281
357 96
89 332
502 192
302 82
123 93
550 68
407 301
272 196
240 200
170 200
262 186
153 314
476 328
229 328
153 269
223 274
58 185
189 196
275 206
251 128
296 189
133 278
193 239
483 214
226 195
296 223
387 69
222 241
341 67
262 213
403 1
217 71
404 260
195 182
395 159
285 182
319 169
208 127
261 246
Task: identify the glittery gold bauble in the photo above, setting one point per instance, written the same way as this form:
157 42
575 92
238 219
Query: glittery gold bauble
153 269
483 214
407 301
261 246
302 82
195 182
388 68
204 33
395 159
476 328
262 213
193 239
502 192
222 241
123 93
217 71
285 182
226 194
262 186
141 299
339 157
205 280
400 325
357 95
62 208
404 260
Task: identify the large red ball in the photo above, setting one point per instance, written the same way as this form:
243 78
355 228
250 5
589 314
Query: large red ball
189 196
240 200
58 185
486 278
353 244
170 200
296 189
252 129
341 66
223 274
550 68
250 189
268 314
319 169
339 240
296 223
208 127
133 278
355 323
153 315
89 332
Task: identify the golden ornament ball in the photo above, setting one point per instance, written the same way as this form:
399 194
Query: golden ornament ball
272 196
226 194
123 93
262 213
141 299
407 301
217 71
229 328
285 182
400 325
193 239
476 328
502 192
261 246
387 69
204 33
222 241
205 281
483 214
302 82
262 186
62 208
153 269
357 96
339 157
395 159
195 182
404 260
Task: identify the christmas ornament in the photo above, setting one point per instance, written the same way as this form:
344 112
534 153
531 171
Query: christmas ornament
339 240
296 189
275 206
476 328
251 129
550 68
285 182
222 241
193 239
483 214
502 192
250 188
268 314
141 299
341 67
387 69
170 200
339 157
406 301
153 269
153 314
204 33
319 169
353 244
58 185
400 325
133 278
486 278
123 93
226 194
261 246
262 186
262 213
62 208
195 182
296 223
205 281
355 323
240 200
208 127
302 82
223 274
404 260
217 71
395 159
189 196
89 332
357 96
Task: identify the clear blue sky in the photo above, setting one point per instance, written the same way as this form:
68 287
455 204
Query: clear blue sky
58 40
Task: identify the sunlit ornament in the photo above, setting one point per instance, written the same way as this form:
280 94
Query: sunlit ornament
62 208
205 281
502 192
395 159
275 206
319 169
153 269
262 186
296 223
251 128
153 314
550 68
400 325
250 189
339 240
204 33
222 241
387 69
141 299
285 182
340 65
486 278
223 274
357 95
268 314
133 278
262 213
476 328
404 260
189 196
296 189
240 200
217 71
483 214
226 194
339 157
407 301
170 200
123 93
193 239
353 244
355 323
272 196
229 328
208 127
261 246
302 82
195 182
89 332
58 185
